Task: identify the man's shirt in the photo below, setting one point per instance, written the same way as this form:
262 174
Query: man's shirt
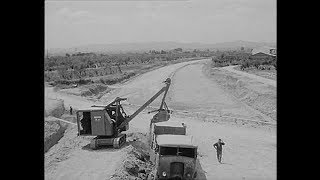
218 145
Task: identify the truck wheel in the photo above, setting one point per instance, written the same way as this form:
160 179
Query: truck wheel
116 143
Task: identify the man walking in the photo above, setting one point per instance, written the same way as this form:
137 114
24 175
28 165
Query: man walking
218 147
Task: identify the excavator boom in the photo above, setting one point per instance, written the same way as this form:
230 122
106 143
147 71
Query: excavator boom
164 89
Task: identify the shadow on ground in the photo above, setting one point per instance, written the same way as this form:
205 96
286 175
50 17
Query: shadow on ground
137 140
104 148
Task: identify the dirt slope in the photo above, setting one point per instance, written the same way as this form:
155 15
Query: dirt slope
252 76
54 107
257 92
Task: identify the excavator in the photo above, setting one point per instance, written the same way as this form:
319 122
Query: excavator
106 122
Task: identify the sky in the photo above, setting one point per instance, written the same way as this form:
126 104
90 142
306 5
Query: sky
81 22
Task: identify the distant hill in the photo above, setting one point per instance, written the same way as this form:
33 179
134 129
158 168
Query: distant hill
144 47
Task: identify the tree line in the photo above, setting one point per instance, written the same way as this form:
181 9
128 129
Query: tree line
244 59
81 65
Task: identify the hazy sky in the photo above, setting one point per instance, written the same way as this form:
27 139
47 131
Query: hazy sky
73 23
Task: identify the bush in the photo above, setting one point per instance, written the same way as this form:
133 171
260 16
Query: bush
245 65
83 81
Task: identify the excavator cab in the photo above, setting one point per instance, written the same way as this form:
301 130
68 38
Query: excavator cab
105 119
103 122
95 122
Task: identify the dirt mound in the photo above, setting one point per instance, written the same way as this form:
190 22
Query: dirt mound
91 90
54 107
136 165
53 131
94 89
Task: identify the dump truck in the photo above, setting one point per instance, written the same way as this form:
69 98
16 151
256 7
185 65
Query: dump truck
107 122
173 152
166 127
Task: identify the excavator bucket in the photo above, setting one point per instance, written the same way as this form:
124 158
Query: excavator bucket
161 116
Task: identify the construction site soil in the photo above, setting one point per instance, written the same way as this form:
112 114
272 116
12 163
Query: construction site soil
53 128
94 91
53 107
136 164
53 132
203 98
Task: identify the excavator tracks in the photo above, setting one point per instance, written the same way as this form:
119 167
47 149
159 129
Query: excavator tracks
117 142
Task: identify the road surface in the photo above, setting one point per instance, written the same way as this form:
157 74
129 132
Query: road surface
249 153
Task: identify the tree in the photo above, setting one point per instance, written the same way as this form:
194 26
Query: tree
62 71
222 55
178 49
90 63
118 65
76 71
127 60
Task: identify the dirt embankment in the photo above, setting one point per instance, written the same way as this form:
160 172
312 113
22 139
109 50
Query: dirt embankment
257 95
53 132
89 91
266 73
54 107
136 164
53 128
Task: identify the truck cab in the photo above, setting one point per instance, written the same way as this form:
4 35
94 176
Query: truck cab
176 157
